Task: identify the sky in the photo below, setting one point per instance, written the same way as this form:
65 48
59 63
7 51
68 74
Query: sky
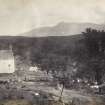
19 16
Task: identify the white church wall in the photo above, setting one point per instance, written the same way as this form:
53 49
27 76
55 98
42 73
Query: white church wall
7 66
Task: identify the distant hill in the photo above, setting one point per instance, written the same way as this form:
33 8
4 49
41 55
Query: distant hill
38 41
63 29
22 45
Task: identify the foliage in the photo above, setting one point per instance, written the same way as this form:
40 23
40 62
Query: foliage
95 44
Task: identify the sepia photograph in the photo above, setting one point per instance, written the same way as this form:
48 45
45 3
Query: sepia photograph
52 52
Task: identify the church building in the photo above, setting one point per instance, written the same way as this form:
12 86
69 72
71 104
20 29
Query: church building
7 64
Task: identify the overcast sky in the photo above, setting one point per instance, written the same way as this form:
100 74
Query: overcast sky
18 16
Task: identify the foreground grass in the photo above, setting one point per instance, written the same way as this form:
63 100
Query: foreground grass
15 102
25 102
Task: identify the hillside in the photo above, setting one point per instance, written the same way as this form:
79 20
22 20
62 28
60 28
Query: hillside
32 48
22 42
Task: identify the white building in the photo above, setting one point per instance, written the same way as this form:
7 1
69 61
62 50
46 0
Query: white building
7 64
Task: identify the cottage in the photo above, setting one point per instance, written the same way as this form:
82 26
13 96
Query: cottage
7 64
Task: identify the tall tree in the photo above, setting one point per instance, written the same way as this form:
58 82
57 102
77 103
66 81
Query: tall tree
95 41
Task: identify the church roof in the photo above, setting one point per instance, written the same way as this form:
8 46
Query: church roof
6 54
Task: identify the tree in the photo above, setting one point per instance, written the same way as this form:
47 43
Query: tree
94 42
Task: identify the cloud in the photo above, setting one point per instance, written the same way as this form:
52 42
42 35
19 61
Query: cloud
71 11
18 16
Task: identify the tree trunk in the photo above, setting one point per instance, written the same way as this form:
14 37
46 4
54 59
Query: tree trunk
60 98
98 79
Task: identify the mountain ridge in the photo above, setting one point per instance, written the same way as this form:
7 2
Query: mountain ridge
62 29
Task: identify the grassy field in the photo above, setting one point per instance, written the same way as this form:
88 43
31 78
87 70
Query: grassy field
27 96
15 102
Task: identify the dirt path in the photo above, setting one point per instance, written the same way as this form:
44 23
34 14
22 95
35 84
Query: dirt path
69 95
